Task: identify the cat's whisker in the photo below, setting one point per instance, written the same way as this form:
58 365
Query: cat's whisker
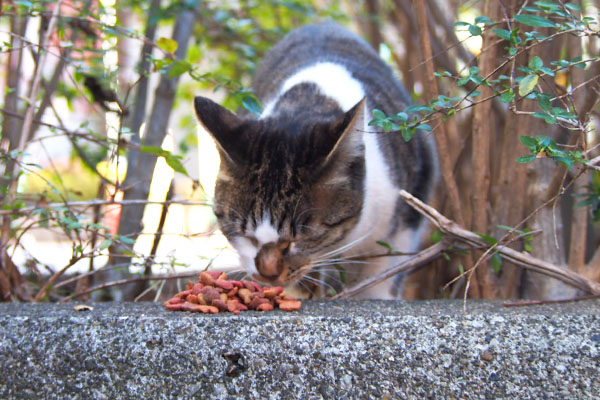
347 246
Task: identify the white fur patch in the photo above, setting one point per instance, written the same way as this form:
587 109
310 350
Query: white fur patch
265 232
379 204
247 252
333 80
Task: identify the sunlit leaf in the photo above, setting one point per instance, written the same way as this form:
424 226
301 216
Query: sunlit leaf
166 44
527 84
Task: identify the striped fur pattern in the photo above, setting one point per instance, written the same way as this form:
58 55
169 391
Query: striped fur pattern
309 185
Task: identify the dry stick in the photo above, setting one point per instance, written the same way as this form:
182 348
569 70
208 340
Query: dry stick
35 87
126 281
419 260
523 259
440 136
93 203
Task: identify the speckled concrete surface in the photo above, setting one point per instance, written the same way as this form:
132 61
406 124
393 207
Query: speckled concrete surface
329 350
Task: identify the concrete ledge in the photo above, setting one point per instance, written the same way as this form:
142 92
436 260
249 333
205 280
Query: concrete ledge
329 350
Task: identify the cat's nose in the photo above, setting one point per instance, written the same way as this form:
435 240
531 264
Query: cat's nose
269 260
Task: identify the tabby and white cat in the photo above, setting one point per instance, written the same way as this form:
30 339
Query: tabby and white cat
308 183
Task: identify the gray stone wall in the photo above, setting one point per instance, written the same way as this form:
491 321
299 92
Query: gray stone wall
328 350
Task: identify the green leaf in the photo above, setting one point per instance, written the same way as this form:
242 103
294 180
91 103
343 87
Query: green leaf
463 81
507 96
547 4
436 236
166 44
573 6
154 150
126 240
178 68
482 19
525 159
502 33
175 163
529 141
527 84
487 238
544 101
559 112
418 108
424 127
536 63
378 114
496 263
250 103
385 245
105 244
475 30
535 20
407 134
401 116
548 118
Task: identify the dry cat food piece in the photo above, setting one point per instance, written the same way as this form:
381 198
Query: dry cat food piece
214 293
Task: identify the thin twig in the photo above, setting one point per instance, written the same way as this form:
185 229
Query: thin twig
126 281
417 261
93 203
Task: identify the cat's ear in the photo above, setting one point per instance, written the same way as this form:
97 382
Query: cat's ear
223 125
346 133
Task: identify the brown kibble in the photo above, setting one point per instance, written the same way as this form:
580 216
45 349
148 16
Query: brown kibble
224 284
175 300
216 274
244 294
272 291
256 301
197 288
220 304
206 278
183 294
265 307
214 292
173 306
201 299
290 305
249 285
187 306
210 293
209 309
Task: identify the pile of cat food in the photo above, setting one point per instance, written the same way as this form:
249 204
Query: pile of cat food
214 293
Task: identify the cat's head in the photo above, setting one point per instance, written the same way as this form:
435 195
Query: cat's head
289 191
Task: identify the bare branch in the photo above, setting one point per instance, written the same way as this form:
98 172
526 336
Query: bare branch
523 259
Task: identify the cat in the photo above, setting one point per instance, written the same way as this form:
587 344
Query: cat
308 184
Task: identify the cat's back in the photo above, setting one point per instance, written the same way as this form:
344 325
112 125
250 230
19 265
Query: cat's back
336 46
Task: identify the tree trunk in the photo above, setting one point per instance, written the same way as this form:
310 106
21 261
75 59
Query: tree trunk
139 172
